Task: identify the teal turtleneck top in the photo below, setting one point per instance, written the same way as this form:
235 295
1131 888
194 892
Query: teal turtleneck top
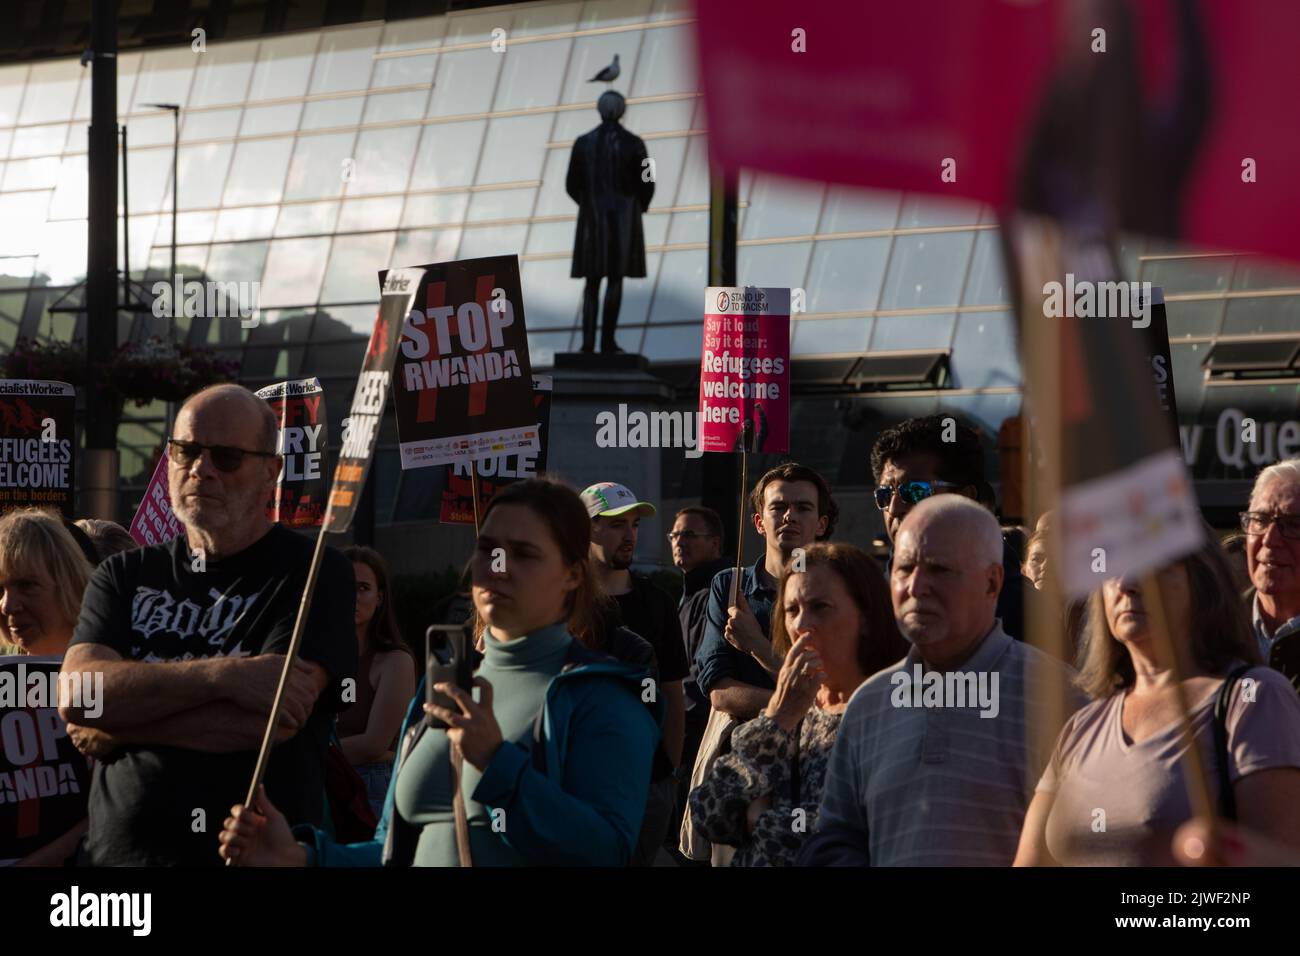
519 671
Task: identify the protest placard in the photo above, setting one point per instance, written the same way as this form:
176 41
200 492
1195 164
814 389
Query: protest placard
154 521
1126 502
44 781
37 445
361 427
463 386
299 498
745 369
941 97
1160 361
457 506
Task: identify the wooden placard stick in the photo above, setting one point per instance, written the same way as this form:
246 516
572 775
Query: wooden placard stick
1198 784
473 490
747 431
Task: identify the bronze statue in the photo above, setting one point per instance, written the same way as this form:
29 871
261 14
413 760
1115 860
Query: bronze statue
611 180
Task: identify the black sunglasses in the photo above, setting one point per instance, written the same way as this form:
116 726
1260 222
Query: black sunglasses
224 458
911 491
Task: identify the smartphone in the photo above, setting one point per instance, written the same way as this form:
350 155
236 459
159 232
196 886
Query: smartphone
448 659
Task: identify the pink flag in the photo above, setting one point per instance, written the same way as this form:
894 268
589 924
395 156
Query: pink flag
154 521
940 98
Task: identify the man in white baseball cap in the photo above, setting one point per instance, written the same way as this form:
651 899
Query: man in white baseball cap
650 612
606 499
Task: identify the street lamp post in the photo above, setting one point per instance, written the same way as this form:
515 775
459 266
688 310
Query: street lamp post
176 152
171 276
99 479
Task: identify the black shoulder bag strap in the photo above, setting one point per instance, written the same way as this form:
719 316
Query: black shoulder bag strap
1227 800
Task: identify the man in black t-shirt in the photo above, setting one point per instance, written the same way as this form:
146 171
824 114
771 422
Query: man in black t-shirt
649 612
190 638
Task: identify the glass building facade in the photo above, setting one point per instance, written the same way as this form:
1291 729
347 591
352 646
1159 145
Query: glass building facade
309 161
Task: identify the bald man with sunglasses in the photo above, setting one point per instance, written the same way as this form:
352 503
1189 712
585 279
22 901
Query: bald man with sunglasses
190 638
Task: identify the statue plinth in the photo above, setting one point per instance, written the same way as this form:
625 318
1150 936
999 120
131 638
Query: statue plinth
591 395
602 361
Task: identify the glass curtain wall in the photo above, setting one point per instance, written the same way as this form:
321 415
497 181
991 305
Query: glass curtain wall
310 161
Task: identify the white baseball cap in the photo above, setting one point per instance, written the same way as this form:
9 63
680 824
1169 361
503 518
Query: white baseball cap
605 499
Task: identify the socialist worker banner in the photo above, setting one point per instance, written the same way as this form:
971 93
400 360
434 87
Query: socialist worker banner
44 780
37 447
495 473
154 521
463 384
299 498
745 369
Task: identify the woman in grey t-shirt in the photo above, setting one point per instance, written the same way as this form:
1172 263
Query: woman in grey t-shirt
1115 791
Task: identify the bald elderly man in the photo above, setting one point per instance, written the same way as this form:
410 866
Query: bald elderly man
190 638
932 765
1272 526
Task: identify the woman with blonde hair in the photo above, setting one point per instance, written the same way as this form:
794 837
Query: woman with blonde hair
43 574
1115 792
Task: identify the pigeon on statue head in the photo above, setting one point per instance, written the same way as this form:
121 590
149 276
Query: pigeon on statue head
609 74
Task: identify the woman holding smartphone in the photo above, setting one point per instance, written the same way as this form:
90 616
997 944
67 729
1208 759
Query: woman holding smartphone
556 748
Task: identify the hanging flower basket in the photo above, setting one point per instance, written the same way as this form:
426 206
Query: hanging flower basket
155 370
53 362
143 372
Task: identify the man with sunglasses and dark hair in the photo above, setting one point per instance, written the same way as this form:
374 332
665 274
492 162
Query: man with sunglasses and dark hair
1272 527
190 637
939 454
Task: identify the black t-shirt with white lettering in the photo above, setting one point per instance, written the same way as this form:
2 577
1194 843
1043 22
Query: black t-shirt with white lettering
152 605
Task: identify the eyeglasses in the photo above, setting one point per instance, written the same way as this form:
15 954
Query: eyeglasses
687 535
911 491
224 458
1257 522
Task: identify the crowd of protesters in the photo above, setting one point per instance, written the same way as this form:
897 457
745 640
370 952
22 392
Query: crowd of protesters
816 707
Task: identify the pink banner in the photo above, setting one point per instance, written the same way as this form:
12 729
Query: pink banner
745 369
941 98
154 522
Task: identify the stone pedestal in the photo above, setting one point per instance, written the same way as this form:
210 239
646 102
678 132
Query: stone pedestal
584 387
